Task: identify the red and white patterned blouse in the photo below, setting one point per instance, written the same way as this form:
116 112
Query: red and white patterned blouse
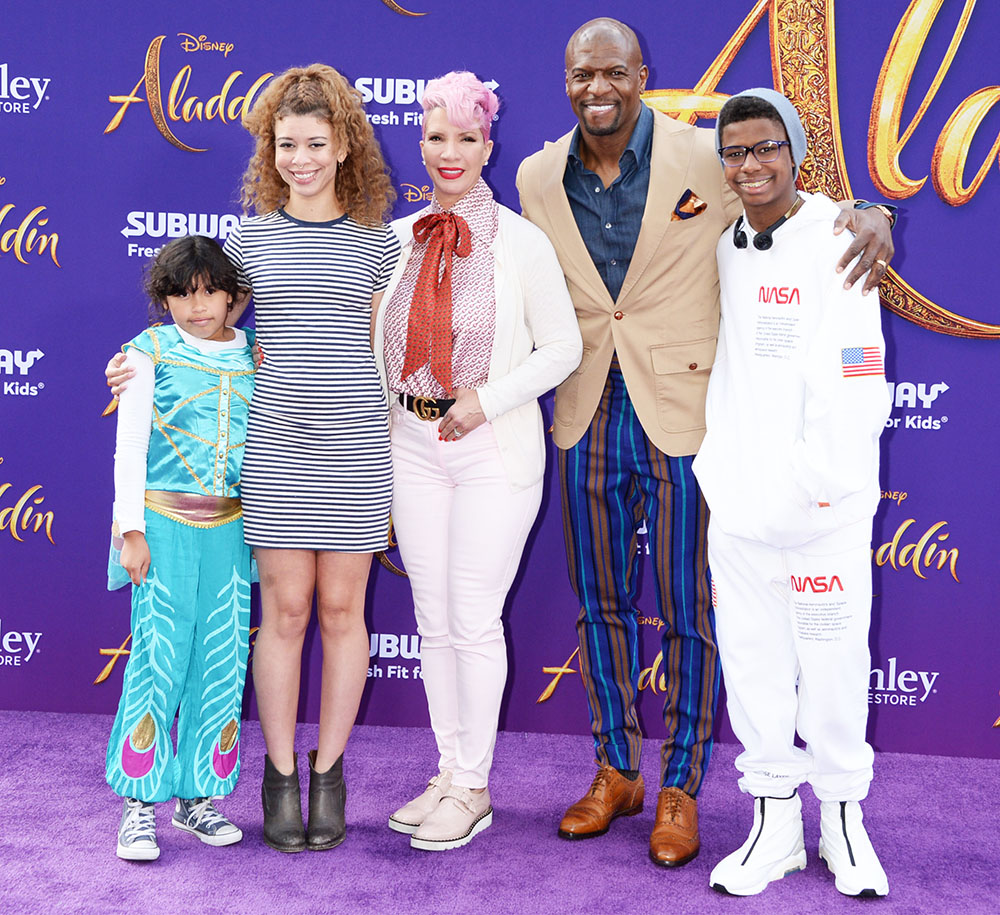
473 310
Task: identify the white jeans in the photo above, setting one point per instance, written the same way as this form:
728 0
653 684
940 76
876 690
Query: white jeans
461 532
792 628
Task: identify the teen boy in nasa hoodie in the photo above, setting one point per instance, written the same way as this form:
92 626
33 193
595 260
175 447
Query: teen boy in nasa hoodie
789 467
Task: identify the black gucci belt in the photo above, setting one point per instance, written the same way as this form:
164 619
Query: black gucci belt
426 408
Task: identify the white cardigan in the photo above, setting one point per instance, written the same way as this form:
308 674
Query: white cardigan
536 342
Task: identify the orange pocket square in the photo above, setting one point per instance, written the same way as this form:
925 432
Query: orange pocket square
690 204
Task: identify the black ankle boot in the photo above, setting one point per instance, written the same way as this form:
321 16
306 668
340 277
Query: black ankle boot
327 796
279 795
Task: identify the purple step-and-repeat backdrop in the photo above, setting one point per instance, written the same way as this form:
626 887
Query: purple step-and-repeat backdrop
120 128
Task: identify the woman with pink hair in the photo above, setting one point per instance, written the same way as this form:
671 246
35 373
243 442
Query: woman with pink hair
476 323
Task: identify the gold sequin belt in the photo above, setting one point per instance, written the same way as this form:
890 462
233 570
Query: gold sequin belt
194 509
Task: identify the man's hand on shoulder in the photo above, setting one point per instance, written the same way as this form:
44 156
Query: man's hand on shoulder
872 240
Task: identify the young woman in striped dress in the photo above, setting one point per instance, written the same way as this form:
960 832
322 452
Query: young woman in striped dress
317 475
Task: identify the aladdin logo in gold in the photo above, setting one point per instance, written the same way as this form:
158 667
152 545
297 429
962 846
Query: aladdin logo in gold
123 652
396 8
225 106
651 678
803 61
21 514
918 553
557 674
114 654
885 142
21 235
191 43
413 194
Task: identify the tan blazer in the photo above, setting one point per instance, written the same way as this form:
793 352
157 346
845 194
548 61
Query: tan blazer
665 324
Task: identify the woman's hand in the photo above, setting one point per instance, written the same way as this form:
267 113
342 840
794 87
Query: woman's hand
135 556
257 351
117 374
872 240
465 415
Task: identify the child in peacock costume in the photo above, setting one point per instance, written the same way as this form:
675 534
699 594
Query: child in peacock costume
178 537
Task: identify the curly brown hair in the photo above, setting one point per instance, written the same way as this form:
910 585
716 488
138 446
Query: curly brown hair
362 185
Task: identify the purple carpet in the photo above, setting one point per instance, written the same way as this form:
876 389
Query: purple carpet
933 821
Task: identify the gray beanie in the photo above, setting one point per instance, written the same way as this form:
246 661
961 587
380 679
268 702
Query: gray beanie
789 117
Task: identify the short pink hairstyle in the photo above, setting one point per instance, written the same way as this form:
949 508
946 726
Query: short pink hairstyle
466 101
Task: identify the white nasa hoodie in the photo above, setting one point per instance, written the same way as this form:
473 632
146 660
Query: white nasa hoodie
797 397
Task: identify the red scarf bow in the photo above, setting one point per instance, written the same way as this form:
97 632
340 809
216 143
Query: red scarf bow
429 331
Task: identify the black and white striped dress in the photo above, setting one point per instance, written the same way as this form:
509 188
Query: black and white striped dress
317 472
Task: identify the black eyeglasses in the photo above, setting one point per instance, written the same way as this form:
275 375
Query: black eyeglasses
764 151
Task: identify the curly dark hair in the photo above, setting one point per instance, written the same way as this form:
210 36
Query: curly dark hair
362 185
182 265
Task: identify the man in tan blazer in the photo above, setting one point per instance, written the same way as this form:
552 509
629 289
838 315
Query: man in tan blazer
634 203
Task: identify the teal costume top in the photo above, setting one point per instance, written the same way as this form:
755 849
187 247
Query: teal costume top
200 405
200 408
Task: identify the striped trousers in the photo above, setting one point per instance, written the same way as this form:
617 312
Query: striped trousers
612 480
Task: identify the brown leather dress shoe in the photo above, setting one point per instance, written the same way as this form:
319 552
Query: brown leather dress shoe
674 840
611 795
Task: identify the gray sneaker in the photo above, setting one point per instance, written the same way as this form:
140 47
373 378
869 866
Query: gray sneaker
137 831
200 818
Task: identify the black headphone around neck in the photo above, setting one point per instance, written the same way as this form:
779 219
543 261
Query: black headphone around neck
762 240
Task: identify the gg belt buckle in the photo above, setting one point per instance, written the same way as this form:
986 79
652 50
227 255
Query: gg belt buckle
423 408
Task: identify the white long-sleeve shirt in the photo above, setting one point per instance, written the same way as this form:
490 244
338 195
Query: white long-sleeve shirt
135 423
797 397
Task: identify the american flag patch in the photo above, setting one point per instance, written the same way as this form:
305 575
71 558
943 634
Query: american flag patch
861 360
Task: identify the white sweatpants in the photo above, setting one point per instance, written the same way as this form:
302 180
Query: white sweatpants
792 629
461 533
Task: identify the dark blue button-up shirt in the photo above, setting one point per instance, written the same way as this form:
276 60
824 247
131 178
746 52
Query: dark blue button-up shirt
609 219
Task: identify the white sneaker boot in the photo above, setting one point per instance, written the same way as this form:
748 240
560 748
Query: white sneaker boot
773 849
845 847
455 821
409 817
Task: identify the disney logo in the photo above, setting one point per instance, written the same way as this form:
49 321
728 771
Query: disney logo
413 194
191 43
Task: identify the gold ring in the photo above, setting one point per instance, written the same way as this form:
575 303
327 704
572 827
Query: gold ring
885 266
